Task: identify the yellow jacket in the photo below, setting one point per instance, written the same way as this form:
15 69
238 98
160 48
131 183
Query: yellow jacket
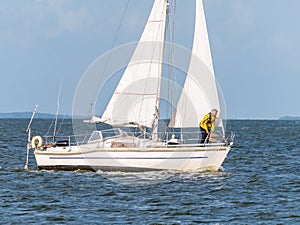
208 122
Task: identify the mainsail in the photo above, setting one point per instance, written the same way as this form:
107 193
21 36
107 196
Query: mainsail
136 98
199 94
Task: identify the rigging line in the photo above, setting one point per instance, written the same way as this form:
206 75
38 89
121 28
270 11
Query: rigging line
50 127
61 123
173 72
31 119
168 31
171 63
171 83
167 24
112 46
57 111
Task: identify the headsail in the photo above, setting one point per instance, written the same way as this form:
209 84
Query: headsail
199 94
136 98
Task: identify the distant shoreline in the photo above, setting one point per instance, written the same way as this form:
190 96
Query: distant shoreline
27 115
289 118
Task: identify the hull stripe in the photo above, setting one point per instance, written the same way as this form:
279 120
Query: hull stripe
200 157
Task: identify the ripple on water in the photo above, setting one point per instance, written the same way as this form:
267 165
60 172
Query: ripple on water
258 184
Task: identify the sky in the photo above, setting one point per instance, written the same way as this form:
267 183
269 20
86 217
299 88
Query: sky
48 43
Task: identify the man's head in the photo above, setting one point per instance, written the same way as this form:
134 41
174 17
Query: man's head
214 112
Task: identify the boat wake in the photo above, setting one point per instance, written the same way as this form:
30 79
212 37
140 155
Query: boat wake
164 176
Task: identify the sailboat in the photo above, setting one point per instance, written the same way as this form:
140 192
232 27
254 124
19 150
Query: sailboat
136 102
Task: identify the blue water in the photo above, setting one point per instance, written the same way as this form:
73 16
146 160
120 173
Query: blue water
259 184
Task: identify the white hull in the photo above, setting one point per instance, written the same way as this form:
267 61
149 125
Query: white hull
93 158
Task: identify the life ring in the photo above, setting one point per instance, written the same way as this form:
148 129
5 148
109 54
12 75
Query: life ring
36 142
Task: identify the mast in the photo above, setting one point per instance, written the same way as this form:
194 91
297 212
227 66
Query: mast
157 105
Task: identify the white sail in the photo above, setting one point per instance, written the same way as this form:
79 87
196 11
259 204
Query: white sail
199 94
137 96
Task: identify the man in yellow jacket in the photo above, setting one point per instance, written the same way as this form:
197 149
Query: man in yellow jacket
207 125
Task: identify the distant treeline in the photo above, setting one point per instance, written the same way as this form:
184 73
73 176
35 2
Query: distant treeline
289 118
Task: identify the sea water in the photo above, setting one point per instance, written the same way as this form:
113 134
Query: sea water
259 183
